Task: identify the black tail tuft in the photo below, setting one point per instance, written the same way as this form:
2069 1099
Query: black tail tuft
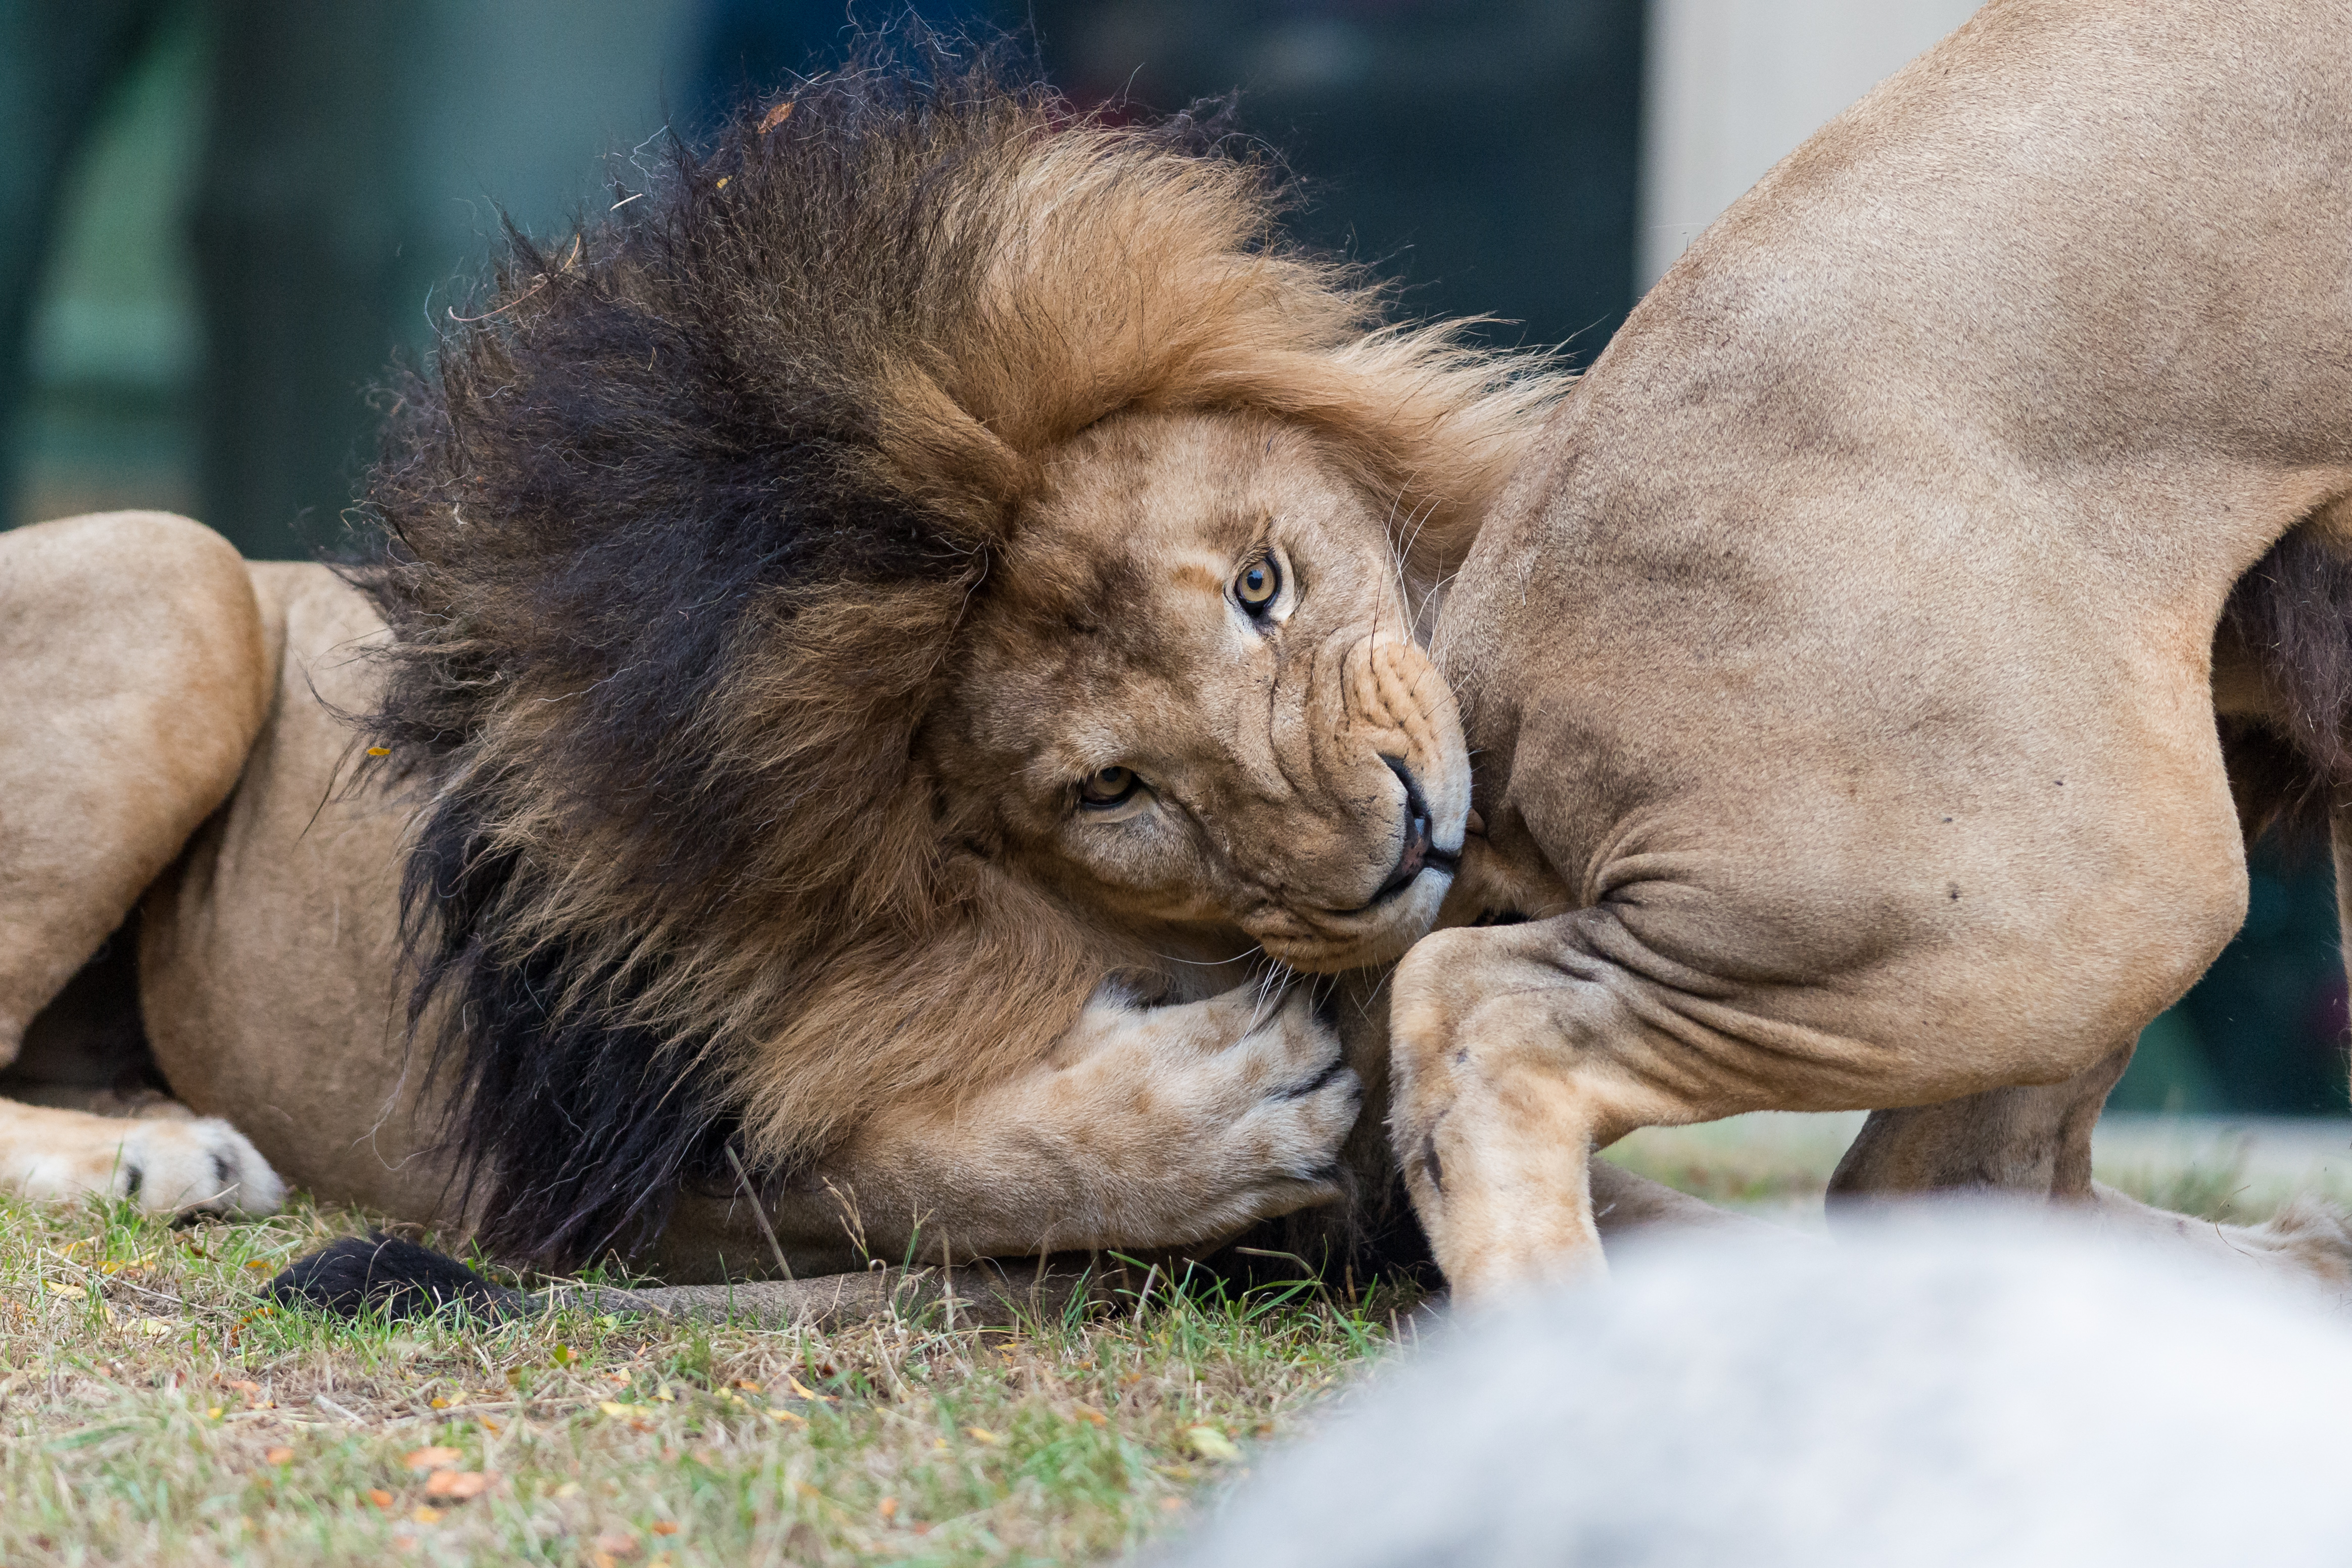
398 1279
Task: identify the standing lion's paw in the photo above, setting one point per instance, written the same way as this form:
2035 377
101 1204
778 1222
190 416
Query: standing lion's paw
165 1165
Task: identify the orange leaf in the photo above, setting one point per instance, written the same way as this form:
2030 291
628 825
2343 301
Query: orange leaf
279 1456
432 1458
775 117
665 1527
378 1497
889 1509
457 1484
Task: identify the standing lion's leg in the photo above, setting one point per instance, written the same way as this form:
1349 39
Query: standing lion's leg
135 665
1503 1087
2030 1140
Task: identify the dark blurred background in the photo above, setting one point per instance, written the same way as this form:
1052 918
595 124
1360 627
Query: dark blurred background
220 217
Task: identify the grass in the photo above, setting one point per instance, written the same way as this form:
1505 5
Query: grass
159 1411
154 1409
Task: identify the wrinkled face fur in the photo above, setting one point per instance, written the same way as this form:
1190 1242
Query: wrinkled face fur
1193 697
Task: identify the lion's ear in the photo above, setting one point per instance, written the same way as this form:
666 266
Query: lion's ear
944 459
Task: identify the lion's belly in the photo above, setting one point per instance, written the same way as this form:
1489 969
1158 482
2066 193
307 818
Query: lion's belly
268 955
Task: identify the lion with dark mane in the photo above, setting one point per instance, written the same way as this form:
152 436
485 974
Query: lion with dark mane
890 651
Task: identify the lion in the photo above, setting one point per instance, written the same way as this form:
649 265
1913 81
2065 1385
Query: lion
888 656
1859 677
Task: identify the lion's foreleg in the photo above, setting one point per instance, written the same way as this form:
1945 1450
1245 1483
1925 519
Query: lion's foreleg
1149 1128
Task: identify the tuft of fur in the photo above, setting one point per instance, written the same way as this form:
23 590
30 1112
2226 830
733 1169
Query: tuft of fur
679 535
388 1276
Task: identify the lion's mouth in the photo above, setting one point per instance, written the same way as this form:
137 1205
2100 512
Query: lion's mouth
1418 854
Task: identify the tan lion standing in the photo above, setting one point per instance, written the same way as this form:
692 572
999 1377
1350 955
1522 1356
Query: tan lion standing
897 641
1845 678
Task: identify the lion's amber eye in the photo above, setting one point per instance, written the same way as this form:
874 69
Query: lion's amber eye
1108 786
1257 585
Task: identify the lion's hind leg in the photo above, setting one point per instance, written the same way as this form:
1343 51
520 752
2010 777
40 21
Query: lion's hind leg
136 667
164 1165
132 653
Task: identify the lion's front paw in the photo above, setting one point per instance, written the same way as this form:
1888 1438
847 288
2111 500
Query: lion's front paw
1273 1108
164 1165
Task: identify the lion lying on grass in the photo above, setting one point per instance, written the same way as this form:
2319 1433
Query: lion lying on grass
900 642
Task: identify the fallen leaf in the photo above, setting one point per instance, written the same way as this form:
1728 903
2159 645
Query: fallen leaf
242 1385
1089 1415
214 1413
775 117
981 1435
805 1392
569 1488
1211 1443
432 1458
153 1328
777 1413
457 1484
665 1527
426 1515
379 751
279 1456
615 1407
888 1509
747 1386
438 1403
59 1287
562 1355
257 1263
378 1496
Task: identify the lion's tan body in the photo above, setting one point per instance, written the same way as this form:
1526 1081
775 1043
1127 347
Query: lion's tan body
206 779
179 718
1842 684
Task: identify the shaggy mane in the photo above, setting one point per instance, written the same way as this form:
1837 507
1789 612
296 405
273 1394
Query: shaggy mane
679 531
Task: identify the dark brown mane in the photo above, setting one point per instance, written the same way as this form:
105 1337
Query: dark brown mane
679 531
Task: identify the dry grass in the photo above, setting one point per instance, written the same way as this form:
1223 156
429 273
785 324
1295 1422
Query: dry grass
154 1410
158 1411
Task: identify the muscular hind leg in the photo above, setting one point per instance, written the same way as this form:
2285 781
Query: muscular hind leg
2034 1142
138 674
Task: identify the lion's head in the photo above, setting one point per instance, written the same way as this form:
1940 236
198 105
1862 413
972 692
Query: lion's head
928 555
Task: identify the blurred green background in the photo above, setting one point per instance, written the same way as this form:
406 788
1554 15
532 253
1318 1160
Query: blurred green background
221 217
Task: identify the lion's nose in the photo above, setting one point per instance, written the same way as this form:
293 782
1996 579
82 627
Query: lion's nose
1417 852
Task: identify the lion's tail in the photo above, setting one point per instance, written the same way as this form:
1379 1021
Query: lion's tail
2291 617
